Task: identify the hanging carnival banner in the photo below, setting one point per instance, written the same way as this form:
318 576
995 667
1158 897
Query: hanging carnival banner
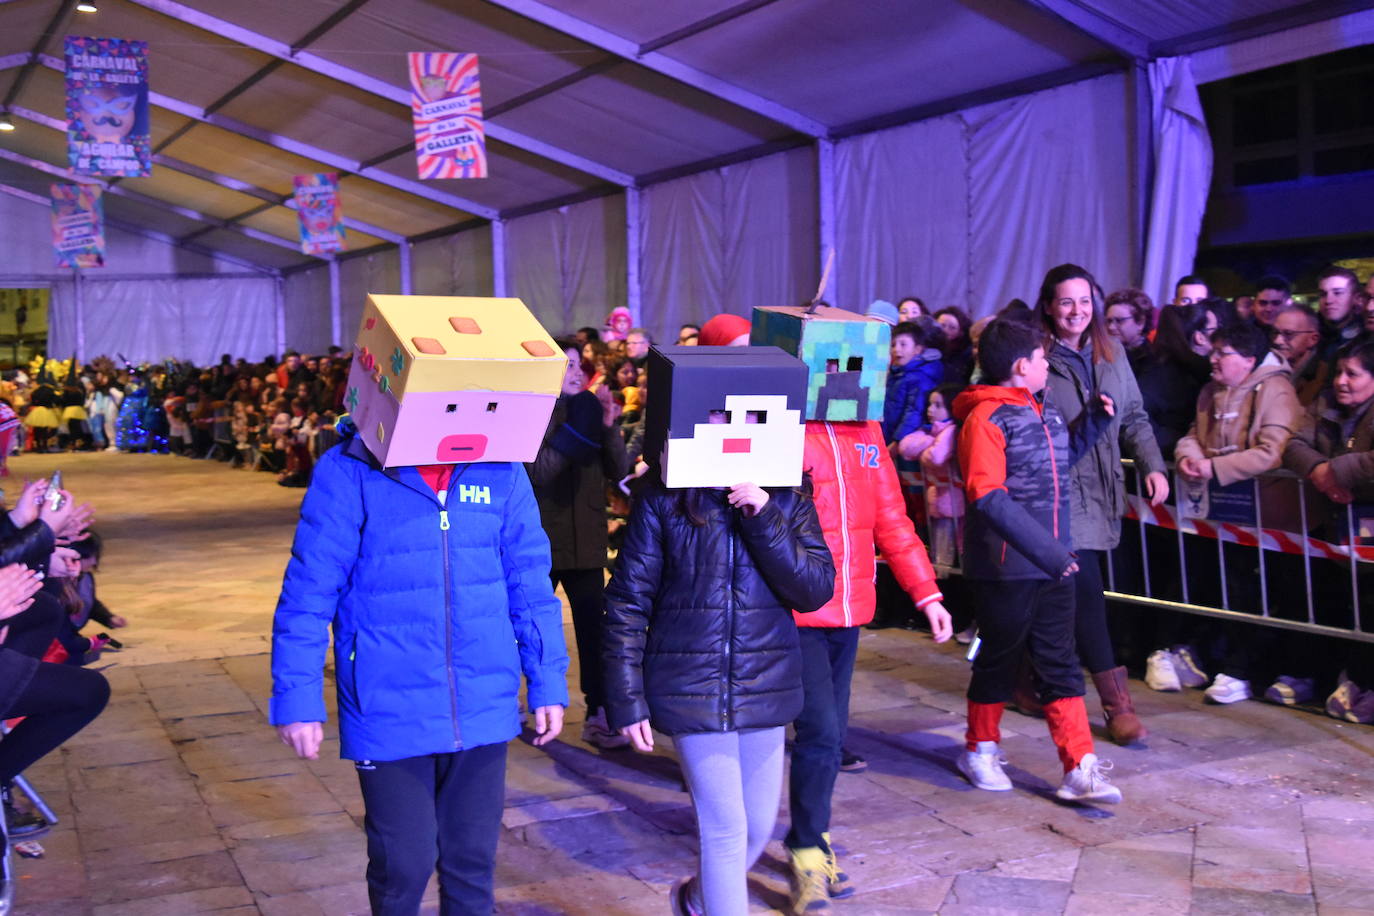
317 205
446 105
107 107
78 225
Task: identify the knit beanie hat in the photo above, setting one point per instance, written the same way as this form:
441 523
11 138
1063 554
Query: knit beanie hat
884 310
720 330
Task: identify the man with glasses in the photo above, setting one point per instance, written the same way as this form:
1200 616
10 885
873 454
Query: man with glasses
1273 294
1296 333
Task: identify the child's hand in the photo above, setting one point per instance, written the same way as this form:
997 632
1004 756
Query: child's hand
65 563
640 735
1108 405
302 737
548 722
1069 570
941 626
748 498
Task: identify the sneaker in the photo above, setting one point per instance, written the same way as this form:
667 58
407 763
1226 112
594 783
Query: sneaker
836 880
18 824
983 767
851 762
1160 673
1226 689
1190 673
964 637
1290 691
809 873
1363 710
597 733
1088 782
1343 701
681 898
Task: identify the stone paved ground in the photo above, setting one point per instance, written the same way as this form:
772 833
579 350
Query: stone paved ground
180 800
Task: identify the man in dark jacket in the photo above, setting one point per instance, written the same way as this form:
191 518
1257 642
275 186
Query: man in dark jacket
581 451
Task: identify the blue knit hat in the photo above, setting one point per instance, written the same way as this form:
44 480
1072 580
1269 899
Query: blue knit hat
885 310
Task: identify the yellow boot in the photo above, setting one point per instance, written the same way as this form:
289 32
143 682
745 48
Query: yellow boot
809 878
836 881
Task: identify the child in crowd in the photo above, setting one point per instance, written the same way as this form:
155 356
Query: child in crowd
915 371
934 447
1015 451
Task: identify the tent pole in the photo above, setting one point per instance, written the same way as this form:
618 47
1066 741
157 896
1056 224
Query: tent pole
403 247
825 184
335 317
632 254
498 258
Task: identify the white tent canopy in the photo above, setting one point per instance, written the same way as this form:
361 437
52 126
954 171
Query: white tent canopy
681 158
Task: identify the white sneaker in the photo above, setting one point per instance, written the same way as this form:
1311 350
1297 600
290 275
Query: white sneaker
1160 673
983 767
1190 673
1088 782
1226 689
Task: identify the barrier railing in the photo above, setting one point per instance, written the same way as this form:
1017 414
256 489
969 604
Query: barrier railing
1270 551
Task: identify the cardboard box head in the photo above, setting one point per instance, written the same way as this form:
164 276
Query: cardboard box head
845 352
452 379
718 416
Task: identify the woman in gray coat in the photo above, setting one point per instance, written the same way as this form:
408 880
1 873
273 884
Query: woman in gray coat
1084 363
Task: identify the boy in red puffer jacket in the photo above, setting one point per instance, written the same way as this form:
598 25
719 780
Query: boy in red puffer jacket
860 505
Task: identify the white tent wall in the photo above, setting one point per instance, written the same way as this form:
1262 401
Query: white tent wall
728 240
307 310
373 273
568 264
971 209
453 265
138 304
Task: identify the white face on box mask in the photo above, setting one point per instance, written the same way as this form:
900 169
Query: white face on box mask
754 439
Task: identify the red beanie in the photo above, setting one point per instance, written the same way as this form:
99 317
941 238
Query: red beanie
720 330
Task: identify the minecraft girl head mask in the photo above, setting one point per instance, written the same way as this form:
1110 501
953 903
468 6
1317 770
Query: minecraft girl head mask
452 380
719 416
845 352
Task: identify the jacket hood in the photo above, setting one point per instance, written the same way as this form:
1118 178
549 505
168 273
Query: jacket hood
971 397
1270 366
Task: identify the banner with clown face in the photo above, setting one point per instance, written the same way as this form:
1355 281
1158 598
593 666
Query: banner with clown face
107 107
317 207
720 416
446 107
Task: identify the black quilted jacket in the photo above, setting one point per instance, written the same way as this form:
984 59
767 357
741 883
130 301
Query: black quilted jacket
699 633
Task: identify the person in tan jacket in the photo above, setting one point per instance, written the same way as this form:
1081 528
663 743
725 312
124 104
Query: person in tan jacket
1245 416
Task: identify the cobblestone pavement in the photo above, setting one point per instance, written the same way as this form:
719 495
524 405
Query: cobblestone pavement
179 799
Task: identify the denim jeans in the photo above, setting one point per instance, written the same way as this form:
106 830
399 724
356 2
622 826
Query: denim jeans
827 669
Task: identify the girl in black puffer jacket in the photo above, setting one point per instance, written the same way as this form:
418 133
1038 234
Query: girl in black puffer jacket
700 642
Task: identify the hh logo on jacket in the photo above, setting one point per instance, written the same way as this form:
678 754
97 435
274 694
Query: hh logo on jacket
474 494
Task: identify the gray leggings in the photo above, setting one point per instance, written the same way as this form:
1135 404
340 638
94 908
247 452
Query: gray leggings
736 782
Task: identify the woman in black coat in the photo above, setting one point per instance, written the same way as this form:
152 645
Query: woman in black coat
700 642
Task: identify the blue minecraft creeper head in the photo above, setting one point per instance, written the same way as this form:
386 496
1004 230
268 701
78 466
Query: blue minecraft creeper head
846 353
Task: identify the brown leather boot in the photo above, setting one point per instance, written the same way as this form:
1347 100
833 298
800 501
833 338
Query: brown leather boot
1023 695
1122 722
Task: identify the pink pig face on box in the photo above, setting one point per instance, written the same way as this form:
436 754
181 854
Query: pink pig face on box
430 387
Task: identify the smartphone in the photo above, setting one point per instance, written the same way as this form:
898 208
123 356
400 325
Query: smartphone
54 495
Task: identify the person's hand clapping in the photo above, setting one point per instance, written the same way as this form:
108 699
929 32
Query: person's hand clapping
65 563
76 528
57 519
25 510
18 585
748 498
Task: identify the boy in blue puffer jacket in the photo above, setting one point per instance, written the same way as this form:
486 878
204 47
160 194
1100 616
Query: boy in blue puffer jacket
916 370
420 546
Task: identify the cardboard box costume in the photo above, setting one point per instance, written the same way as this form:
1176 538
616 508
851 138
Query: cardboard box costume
757 395
846 353
452 380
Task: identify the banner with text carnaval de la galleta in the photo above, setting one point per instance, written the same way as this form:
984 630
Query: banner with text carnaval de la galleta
446 106
317 206
107 107
78 225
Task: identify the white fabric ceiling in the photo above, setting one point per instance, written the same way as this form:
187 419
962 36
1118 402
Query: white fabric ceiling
584 97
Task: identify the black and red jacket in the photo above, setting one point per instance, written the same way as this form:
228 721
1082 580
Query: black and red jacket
1015 452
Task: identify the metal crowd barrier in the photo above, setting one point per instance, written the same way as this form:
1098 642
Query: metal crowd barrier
1205 552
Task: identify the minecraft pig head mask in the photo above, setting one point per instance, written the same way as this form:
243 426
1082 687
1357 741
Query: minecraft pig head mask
452 380
719 416
846 353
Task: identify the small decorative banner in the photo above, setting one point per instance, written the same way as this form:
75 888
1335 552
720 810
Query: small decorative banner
446 104
317 205
78 225
107 107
